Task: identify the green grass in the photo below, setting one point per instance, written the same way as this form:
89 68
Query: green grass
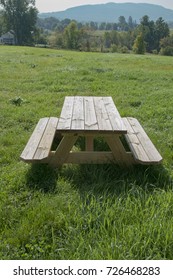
84 211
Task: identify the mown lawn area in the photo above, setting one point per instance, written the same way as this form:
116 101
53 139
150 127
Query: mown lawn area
84 211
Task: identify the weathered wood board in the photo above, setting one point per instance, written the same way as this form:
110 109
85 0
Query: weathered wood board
40 142
140 144
88 114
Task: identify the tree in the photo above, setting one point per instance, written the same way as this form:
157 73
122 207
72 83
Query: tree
139 45
131 24
147 28
153 32
161 31
122 24
71 36
93 25
102 26
115 37
166 45
20 16
107 39
2 26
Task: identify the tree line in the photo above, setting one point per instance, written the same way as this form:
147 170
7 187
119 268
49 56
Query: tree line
147 36
52 24
21 16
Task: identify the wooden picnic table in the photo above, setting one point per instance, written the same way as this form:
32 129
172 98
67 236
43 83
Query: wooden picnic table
90 117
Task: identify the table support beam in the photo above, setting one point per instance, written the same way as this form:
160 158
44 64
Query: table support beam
63 150
120 155
89 143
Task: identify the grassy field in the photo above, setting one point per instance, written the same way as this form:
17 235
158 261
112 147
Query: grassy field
84 211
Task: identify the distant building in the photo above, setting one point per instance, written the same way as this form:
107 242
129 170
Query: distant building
8 38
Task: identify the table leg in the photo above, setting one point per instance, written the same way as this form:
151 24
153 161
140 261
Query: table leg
63 150
89 143
121 156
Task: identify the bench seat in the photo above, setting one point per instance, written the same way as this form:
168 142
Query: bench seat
142 148
39 145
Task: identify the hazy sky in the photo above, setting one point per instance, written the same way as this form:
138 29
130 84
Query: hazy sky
60 5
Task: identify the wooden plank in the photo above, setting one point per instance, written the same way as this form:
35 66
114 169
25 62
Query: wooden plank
89 143
120 155
101 114
90 114
63 150
87 113
45 144
114 116
134 143
30 149
90 158
141 146
78 114
66 114
145 141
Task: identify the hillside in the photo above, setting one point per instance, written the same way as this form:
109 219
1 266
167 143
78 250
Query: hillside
110 12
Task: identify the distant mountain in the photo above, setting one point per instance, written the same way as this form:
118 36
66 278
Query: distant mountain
110 12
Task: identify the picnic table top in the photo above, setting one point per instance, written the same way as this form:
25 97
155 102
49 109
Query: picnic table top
82 114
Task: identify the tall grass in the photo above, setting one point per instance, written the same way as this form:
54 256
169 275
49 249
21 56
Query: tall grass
84 211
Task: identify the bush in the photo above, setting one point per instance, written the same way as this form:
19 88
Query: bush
124 49
167 51
155 52
114 48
